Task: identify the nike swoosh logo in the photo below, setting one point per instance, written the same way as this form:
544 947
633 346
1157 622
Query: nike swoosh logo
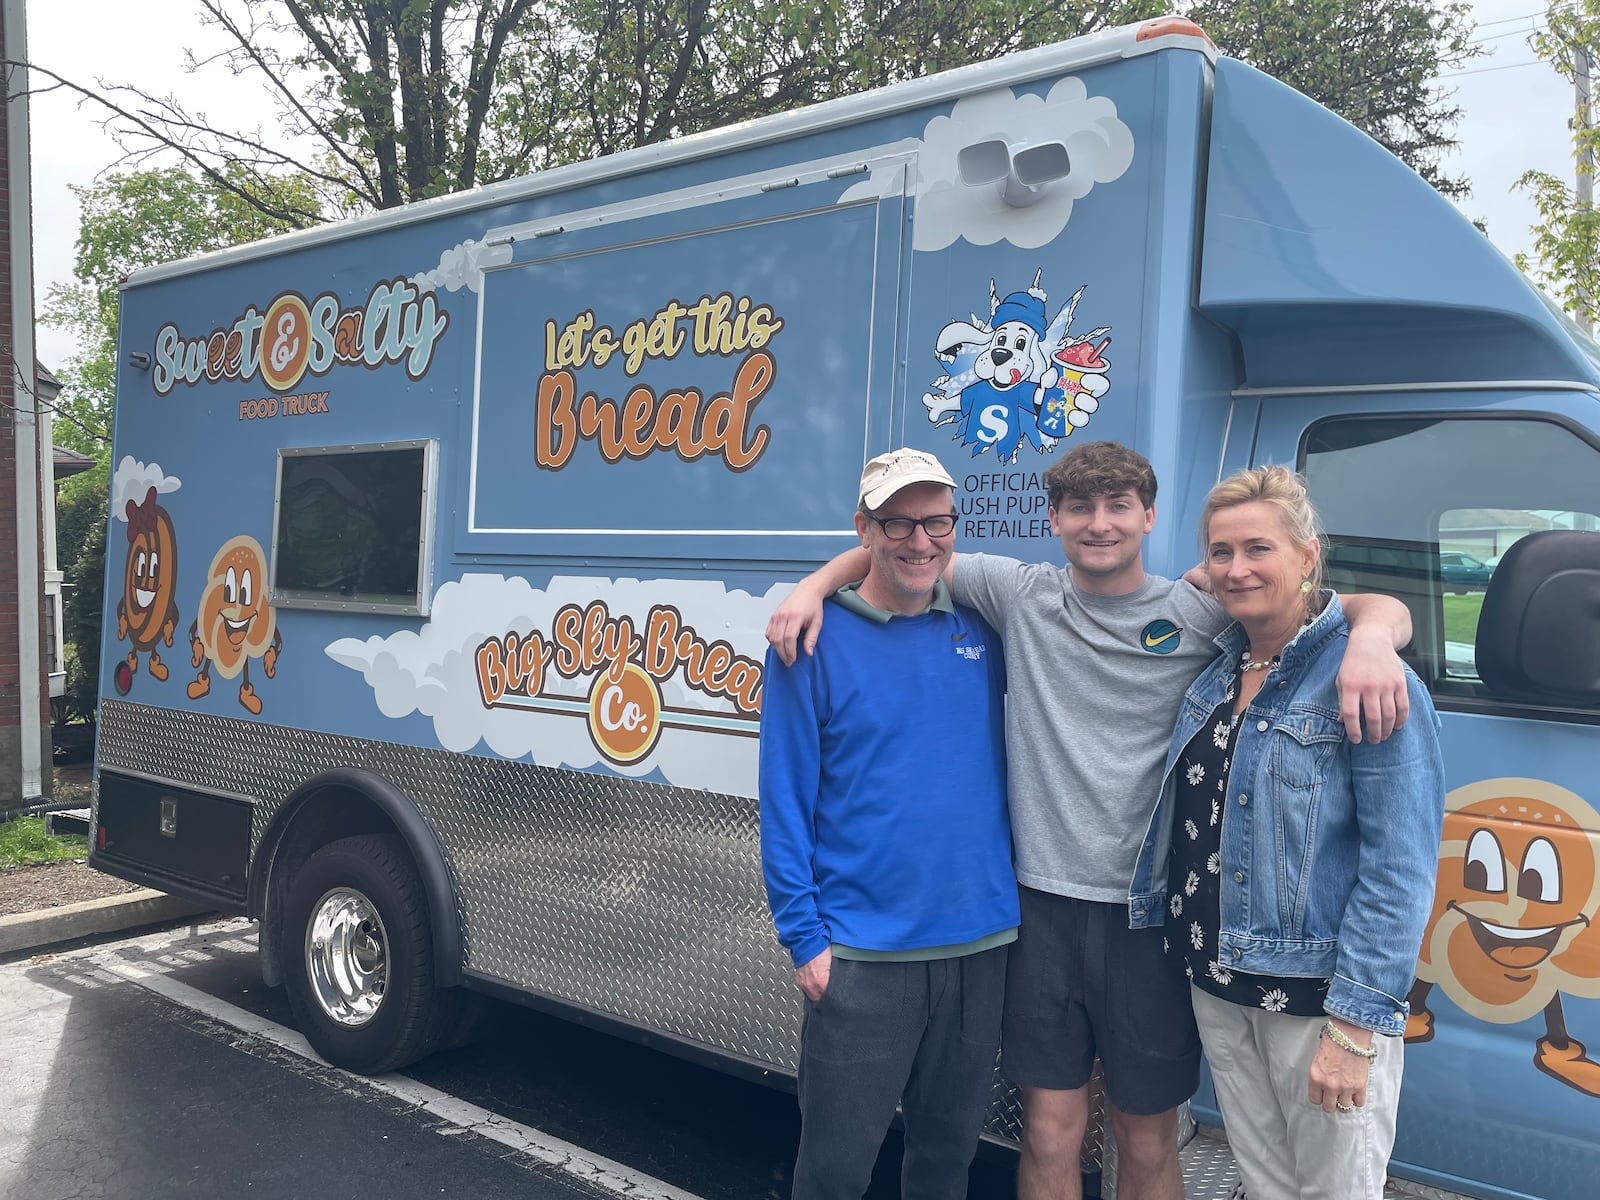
1151 643
956 637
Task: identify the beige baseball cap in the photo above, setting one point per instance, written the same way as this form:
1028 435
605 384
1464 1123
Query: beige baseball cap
888 473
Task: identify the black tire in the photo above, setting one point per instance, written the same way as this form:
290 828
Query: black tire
469 1021
381 1010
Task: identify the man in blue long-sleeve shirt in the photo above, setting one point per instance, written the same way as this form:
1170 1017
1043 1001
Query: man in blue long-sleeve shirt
887 851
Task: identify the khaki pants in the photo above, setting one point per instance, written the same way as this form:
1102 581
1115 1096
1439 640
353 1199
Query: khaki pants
1287 1148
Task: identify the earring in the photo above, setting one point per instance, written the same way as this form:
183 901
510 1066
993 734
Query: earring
1305 586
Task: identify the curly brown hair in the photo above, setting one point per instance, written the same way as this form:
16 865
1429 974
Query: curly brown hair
1100 469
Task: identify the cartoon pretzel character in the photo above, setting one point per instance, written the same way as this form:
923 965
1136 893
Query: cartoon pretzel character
1514 917
235 622
147 613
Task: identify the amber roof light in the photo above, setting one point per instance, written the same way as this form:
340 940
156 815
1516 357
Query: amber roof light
1172 27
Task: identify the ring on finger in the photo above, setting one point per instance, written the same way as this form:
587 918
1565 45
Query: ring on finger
1344 1107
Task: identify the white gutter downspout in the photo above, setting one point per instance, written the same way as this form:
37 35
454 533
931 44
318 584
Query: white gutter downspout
25 417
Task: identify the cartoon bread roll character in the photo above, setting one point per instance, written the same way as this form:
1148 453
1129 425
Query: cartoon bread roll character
235 623
147 613
1514 914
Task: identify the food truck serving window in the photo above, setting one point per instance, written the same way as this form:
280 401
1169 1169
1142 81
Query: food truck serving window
697 382
352 527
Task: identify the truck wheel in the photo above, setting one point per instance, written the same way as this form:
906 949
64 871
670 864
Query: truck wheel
358 957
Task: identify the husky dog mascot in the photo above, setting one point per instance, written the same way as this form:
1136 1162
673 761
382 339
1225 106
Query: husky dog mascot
1017 377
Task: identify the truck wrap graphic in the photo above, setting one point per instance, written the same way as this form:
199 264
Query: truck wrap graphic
1019 377
680 419
585 672
147 612
1514 923
1098 145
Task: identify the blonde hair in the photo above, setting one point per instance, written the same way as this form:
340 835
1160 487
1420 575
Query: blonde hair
1286 492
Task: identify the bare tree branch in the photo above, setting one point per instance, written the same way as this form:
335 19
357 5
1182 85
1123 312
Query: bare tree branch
153 126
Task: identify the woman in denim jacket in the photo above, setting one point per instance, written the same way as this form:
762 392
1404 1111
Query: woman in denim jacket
1293 868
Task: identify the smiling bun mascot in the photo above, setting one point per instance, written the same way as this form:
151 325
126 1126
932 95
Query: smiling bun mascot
235 622
1514 917
147 613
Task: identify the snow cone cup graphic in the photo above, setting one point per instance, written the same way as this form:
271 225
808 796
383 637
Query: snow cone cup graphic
1082 380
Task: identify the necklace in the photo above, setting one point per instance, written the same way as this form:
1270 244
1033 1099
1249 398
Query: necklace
1246 663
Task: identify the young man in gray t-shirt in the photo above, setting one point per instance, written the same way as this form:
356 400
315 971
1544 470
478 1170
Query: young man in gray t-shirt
1098 657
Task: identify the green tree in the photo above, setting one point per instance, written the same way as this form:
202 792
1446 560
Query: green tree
382 104
1565 260
1566 239
624 74
81 557
1374 62
128 221
80 505
83 611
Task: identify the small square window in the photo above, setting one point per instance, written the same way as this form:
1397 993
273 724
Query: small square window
352 527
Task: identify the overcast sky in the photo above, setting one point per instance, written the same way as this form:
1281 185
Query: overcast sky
1515 112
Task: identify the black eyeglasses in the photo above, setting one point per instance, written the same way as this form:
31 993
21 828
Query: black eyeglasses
898 529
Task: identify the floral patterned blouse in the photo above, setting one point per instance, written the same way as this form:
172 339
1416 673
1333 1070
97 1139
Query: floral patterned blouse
1195 872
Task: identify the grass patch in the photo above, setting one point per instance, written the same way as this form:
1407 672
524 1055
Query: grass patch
1461 617
24 843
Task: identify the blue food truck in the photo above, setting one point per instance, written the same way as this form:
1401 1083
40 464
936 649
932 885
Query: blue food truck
442 541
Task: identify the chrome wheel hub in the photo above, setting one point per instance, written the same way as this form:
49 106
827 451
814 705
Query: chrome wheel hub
347 957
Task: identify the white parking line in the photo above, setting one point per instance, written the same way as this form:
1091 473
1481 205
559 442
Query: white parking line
591 1168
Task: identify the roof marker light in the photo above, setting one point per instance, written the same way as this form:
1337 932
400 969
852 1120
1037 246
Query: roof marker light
1172 27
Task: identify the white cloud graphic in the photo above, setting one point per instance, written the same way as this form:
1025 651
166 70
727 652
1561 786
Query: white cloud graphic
133 481
1099 148
462 266
433 671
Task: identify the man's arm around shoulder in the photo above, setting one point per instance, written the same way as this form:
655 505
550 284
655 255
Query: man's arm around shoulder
1372 679
1373 700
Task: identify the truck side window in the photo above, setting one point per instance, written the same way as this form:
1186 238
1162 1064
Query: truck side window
1423 507
352 527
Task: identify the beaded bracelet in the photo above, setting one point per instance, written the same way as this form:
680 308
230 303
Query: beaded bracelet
1342 1040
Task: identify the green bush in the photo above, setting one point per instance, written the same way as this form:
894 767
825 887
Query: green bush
82 503
84 610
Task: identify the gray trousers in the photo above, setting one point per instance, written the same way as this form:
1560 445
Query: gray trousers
924 1034
1288 1148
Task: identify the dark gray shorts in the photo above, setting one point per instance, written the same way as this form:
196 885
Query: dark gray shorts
1081 984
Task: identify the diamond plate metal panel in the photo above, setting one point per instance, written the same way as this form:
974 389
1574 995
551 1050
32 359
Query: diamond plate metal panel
634 899
1405 1189
1209 1172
